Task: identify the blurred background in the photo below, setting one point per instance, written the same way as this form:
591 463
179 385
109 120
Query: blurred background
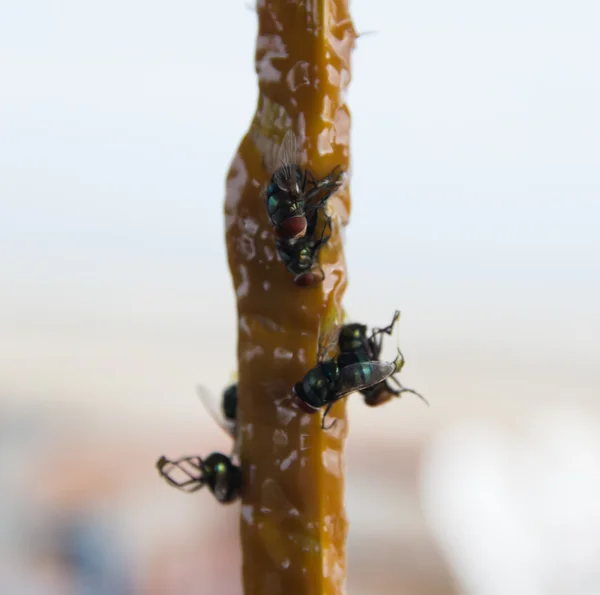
476 187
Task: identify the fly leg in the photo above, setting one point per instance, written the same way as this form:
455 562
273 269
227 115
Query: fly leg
389 329
330 183
399 363
332 178
309 177
327 410
327 229
190 467
401 389
325 235
376 339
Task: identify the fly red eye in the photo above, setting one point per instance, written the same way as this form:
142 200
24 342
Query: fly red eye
309 279
303 404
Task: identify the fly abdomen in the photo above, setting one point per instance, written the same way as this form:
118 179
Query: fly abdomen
378 394
305 260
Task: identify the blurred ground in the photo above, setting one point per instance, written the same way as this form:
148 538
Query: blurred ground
478 507
91 510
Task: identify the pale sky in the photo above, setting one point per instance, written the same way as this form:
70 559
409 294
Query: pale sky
476 195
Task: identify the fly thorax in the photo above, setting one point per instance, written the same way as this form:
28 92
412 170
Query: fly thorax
314 388
272 204
230 398
295 207
304 258
213 461
330 370
351 344
352 336
347 359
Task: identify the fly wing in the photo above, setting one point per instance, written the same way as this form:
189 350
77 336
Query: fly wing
280 160
288 150
287 158
353 378
329 332
214 408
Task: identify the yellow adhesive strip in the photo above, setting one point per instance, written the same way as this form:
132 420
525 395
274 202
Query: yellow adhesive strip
293 525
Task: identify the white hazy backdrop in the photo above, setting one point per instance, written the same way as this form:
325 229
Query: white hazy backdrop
476 209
